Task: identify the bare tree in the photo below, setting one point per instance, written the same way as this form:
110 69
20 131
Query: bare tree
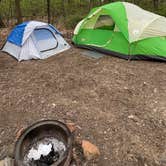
48 11
63 8
2 25
91 3
156 4
18 11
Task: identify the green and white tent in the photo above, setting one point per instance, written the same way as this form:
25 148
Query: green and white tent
125 30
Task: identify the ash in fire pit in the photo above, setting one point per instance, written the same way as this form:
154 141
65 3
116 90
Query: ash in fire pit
45 143
44 152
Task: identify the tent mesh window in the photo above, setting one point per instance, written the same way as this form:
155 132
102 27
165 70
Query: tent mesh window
105 22
45 39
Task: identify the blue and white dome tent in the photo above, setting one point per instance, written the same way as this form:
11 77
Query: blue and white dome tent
34 40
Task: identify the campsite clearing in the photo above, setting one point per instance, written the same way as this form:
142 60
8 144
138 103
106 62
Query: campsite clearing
119 105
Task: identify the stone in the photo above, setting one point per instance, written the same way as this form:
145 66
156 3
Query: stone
134 118
53 105
7 162
90 150
71 127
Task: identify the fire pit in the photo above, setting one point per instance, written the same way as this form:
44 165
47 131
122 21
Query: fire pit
45 143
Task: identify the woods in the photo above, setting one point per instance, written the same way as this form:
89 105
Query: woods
66 12
18 11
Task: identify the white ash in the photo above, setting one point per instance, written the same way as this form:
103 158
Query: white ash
43 147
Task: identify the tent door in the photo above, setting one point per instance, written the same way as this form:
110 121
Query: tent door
45 39
105 22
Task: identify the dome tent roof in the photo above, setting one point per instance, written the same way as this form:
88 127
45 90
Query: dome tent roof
124 30
21 32
134 22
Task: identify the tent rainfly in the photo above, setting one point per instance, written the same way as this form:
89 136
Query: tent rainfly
34 40
124 30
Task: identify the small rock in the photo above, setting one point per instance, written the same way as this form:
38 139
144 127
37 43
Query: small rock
74 101
155 101
155 90
133 117
71 127
144 83
105 132
53 105
7 162
135 140
79 127
155 110
2 133
90 151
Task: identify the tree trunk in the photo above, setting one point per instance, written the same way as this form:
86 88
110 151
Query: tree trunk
18 11
91 3
100 2
2 25
63 8
48 11
156 4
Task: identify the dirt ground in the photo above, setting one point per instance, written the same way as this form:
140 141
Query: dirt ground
118 105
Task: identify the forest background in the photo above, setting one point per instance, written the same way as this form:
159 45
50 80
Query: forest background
61 13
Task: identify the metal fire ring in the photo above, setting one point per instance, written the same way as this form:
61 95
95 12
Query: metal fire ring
40 129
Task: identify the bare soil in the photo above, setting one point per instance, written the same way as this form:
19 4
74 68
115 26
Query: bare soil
118 105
